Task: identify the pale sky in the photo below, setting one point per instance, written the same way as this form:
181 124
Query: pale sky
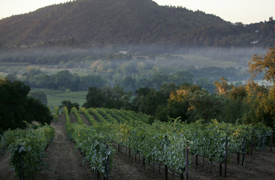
245 11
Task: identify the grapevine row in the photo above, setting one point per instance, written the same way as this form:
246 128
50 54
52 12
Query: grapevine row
165 142
27 148
95 147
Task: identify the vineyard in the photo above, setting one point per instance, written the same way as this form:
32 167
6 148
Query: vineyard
109 139
27 148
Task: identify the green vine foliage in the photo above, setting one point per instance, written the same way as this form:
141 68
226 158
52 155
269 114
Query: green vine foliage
56 113
28 149
166 142
91 120
162 142
75 112
95 146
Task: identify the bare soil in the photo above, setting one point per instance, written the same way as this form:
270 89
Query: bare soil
5 172
67 164
64 162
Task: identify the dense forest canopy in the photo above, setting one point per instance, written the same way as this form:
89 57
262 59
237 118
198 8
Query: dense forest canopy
108 23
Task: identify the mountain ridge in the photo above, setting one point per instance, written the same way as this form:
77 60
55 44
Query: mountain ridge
96 23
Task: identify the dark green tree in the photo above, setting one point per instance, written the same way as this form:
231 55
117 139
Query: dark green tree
108 98
129 84
152 101
204 105
91 81
181 77
69 105
11 77
158 79
94 98
40 80
65 80
39 96
16 107
174 109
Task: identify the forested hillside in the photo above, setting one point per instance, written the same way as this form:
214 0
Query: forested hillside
105 23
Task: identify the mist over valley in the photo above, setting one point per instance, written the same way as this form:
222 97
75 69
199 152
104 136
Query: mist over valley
130 44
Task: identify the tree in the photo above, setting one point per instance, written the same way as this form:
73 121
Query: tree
69 105
91 81
222 86
32 72
205 105
152 101
174 109
264 64
184 92
167 88
11 77
129 84
265 98
158 79
233 110
181 77
238 92
140 94
40 80
39 96
16 107
94 98
107 97
36 111
65 80
206 83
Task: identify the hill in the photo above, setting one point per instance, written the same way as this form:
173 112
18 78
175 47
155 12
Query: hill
97 23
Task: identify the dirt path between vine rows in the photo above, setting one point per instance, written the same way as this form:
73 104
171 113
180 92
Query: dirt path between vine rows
5 172
123 168
64 163
67 165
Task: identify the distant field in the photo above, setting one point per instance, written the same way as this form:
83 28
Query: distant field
2 75
55 97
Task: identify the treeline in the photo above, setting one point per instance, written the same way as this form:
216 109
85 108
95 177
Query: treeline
135 69
245 104
129 74
61 80
65 80
51 56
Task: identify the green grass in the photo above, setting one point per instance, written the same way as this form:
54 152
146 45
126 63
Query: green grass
55 97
